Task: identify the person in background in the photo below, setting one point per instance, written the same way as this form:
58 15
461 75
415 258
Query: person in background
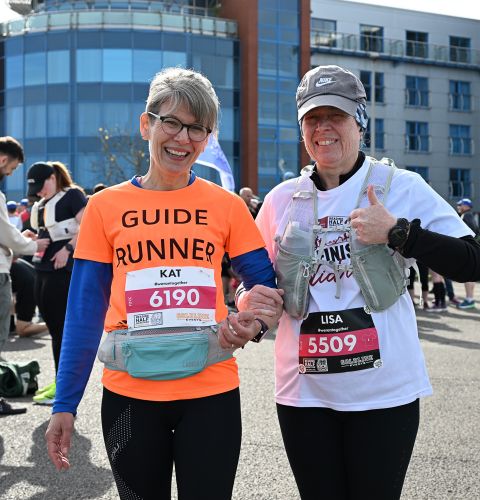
13 215
162 236
57 217
250 200
11 239
464 208
99 187
348 377
24 212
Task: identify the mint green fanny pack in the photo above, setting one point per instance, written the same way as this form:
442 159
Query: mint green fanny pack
162 354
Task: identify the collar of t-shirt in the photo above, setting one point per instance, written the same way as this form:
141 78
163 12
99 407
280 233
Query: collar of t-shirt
136 179
319 183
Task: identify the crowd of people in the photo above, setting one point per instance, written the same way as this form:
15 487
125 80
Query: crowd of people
152 266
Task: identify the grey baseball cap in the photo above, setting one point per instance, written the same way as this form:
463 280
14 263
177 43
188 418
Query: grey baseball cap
330 86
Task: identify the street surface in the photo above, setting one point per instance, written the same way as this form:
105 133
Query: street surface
445 463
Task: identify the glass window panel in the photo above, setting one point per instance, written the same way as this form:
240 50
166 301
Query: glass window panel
366 79
14 71
171 59
116 116
35 121
14 46
217 68
35 65
227 124
460 96
146 63
58 66
117 65
267 58
89 65
287 109
88 119
371 38
58 40
289 134
288 60
58 120
267 108
14 121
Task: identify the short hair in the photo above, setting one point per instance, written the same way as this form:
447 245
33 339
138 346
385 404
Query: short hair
178 86
11 147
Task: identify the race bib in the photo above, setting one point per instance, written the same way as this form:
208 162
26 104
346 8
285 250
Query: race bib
338 342
166 297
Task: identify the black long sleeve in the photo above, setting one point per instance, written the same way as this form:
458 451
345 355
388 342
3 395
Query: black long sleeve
454 258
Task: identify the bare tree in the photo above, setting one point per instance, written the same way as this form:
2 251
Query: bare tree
124 155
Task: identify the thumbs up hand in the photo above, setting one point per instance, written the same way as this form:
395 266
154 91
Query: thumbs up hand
372 223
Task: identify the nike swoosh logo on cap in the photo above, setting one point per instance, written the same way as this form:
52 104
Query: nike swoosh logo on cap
321 84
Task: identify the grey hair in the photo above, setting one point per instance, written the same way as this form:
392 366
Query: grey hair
184 87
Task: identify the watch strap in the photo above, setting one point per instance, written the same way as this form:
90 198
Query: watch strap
69 247
263 331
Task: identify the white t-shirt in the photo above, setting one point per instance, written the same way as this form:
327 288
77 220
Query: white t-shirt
391 371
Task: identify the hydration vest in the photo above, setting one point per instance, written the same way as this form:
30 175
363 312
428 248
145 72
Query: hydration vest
380 272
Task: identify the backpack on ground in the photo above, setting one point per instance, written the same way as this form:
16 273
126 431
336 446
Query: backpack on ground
18 379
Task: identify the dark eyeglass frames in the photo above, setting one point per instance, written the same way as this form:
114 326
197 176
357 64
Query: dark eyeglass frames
172 126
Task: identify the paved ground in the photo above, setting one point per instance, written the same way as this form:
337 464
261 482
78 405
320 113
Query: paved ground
445 465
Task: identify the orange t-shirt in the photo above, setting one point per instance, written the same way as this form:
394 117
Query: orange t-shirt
133 229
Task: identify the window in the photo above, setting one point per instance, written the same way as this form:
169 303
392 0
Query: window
371 38
58 69
324 32
117 65
459 49
58 120
460 98
460 185
416 137
89 65
423 171
366 79
417 44
379 135
14 71
460 140
35 121
35 64
416 91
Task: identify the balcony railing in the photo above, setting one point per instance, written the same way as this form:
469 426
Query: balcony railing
414 51
47 21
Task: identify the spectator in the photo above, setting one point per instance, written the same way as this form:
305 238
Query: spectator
99 187
464 208
11 239
57 217
13 215
250 200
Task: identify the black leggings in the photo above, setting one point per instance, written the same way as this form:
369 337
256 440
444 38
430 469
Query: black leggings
349 455
51 292
145 438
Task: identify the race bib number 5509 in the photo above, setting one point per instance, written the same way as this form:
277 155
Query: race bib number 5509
161 297
338 342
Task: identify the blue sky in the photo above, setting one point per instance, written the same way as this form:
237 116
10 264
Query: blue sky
459 8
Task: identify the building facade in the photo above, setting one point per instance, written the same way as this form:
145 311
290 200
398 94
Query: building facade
422 76
76 73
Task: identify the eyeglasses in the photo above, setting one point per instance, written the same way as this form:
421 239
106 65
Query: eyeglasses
172 126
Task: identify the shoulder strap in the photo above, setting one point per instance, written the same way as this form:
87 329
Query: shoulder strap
379 174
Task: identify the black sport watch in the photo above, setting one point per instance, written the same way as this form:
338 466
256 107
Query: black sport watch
69 247
263 331
398 234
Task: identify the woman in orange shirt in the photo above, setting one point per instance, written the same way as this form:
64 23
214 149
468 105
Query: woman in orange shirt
148 272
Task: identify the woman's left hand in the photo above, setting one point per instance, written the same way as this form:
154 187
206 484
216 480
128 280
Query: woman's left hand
60 259
237 330
372 223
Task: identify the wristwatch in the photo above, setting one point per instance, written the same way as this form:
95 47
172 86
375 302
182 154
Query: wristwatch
263 330
69 247
398 234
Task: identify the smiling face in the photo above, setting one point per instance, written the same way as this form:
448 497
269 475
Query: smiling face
171 156
332 139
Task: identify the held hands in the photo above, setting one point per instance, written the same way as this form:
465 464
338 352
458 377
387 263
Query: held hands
42 244
238 329
58 437
372 223
263 301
